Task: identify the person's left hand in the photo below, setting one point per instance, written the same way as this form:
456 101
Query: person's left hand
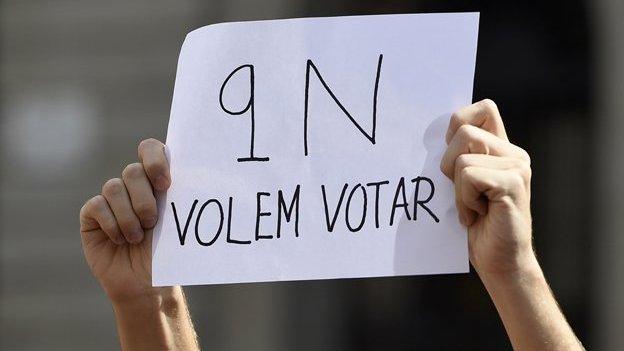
117 225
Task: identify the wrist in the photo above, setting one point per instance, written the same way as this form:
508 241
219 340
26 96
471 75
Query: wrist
524 271
160 320
162 299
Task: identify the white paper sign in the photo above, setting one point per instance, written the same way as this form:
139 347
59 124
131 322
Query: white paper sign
310 149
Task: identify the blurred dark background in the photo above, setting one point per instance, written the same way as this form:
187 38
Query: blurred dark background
82 82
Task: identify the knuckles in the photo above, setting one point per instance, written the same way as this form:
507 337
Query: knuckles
91 210
147 143
126 223
113 187
472 139
523 169
486 106
525 156
133 171
517 182
94 204
489 106
154 168
465 173
456 120
467 132
464 132
99 203
110 227
462 162
145 210
88 208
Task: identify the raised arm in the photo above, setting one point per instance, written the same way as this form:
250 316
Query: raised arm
116 230
493 190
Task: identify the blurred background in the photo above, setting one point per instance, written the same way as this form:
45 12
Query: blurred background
82 82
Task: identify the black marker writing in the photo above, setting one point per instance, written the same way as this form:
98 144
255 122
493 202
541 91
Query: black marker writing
400 189
330 225
294 204
199 216
249 106
229 228
377 185
259 214
348 206
422 203
371 136
182 234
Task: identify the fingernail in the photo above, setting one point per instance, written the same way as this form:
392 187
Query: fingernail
150 222
136 236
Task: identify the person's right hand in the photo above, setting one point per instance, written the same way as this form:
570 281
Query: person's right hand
493 190
116 226
492 180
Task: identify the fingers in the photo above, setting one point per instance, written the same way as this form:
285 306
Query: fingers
473 140
118 199
470 206
480 185
128 206
96 214
481 161
141 194
152 156
483 114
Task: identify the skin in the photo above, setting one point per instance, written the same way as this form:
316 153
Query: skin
492 180
116 229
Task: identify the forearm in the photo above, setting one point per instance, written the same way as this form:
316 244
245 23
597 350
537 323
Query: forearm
160 322
529 310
